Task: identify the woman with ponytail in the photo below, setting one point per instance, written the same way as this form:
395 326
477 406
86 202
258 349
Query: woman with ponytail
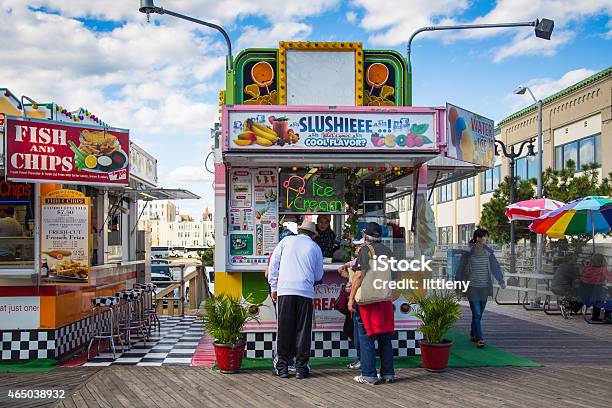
479 267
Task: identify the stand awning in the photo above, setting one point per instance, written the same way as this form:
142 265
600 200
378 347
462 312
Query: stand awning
153 194
317 158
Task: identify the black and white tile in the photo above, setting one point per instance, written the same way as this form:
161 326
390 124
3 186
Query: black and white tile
331 344
175 344
27 344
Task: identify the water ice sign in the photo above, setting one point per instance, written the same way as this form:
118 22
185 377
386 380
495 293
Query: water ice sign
469 136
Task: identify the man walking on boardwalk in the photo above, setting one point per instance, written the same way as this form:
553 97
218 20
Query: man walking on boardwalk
295 265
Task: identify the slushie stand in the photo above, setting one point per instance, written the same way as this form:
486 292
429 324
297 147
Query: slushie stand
316 128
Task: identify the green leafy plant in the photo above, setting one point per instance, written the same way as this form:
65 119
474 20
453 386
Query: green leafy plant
207 256
438 311
225 315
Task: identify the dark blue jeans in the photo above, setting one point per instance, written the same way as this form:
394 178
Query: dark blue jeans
478 307
356 335
367 355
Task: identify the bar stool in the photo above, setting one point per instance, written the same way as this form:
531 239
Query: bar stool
105 328
149 305
131 316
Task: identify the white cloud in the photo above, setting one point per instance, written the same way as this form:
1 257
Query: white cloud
393 21
351 17
544 87
270 36
528 44
189 174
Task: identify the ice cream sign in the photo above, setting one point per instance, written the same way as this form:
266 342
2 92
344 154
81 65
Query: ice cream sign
469 137
312 193
363 129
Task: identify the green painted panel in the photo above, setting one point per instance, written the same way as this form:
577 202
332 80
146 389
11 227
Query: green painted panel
256 285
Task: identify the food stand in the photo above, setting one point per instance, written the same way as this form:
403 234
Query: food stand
317 128
68 213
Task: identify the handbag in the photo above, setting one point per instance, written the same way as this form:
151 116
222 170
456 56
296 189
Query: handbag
367 293
341 304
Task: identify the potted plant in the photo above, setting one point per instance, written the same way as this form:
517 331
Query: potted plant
438 311
224 318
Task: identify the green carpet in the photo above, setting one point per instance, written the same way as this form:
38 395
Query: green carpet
463 354
42 365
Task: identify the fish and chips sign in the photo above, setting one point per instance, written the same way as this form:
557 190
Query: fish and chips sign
59 152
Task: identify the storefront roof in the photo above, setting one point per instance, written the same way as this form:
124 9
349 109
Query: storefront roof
314 159
152 194
441 170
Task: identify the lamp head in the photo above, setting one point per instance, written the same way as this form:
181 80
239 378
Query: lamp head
147 6
520 90
544 28
530 148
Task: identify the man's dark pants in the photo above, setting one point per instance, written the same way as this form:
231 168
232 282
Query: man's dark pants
294 332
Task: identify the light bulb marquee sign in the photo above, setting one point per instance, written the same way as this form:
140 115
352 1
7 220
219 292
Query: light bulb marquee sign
312 193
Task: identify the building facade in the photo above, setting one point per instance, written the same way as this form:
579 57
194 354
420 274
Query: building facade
172 229
576 125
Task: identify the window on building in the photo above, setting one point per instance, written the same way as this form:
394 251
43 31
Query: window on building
490 179
445 235
409 202
402 204
466 188
465 232
445 193
584 151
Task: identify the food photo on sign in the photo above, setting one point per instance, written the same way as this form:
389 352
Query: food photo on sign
56 151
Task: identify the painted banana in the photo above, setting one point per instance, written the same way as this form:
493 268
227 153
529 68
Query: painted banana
262 141
265 132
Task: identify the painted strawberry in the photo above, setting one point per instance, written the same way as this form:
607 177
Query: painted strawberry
377 140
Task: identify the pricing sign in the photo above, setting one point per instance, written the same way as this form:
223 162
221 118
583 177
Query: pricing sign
64 241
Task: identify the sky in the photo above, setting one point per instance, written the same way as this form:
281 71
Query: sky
161 79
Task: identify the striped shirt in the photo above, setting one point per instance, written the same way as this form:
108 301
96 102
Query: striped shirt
479 270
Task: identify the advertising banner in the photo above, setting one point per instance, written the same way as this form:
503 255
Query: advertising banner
47 151
253 216
469 137
18 313
361 130
143 166
64 238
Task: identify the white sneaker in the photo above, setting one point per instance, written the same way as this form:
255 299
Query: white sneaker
355 365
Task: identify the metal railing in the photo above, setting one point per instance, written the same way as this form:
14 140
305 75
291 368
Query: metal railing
171 305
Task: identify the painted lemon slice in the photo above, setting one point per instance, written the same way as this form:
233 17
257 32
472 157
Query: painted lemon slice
91 161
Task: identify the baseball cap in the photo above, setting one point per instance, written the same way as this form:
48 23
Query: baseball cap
373 229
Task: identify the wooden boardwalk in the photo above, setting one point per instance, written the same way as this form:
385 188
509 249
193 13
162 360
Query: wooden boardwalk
122 386
544 344
577 373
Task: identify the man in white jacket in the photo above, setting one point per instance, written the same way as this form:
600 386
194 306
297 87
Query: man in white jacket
295 265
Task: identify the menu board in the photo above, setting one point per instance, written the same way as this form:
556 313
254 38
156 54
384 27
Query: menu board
64 239
252 216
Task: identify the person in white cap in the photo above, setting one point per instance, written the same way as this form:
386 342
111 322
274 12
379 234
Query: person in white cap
295 265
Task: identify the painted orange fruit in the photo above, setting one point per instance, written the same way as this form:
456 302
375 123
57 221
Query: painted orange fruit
377 74
262 73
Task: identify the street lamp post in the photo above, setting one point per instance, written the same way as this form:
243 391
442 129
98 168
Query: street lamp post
521 91
513 154
543 29
148 7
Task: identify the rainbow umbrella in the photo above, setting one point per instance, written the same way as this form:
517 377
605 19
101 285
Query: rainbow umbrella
587 215
531 209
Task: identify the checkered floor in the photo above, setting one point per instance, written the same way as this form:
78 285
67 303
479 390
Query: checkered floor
175 344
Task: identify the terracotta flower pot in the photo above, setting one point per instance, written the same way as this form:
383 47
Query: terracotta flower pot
435 355
229 356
